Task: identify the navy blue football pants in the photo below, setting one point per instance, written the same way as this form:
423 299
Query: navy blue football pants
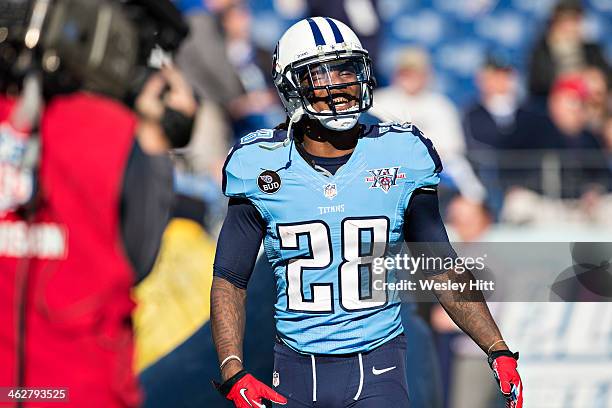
367 380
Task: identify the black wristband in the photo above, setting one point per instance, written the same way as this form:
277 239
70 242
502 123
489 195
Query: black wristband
226 387
501 353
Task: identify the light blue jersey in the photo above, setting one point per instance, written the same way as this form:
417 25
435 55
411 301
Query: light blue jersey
321 229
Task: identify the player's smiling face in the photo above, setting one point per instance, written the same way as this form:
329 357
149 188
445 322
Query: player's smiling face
316 80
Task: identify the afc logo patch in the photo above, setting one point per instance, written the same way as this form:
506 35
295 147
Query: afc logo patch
384 178
269 181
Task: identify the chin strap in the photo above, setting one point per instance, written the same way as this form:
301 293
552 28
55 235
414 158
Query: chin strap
347 121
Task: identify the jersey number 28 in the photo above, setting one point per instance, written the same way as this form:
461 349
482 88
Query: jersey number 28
354 260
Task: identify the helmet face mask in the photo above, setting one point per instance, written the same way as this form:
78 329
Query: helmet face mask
329 79
335 87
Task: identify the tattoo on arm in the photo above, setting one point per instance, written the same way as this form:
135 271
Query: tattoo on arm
228 316
469 311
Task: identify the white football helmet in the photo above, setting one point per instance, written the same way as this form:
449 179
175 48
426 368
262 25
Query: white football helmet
320 59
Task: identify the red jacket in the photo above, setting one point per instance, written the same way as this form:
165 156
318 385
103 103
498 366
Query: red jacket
66 269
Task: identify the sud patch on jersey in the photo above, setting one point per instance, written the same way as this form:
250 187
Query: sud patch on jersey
269 181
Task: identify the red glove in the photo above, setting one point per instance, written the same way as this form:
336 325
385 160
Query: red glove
503 364
245 391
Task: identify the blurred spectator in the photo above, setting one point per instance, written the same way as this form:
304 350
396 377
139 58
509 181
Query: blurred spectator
467 220
575 161
607 138
202 56
361 15
597 102
568 111
495 122
259 108
203 59
563 49
580 156
408 98
498 104
491 121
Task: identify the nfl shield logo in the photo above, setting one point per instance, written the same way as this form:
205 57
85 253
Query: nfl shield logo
330 191
275 379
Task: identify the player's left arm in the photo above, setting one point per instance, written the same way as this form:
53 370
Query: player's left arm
468 309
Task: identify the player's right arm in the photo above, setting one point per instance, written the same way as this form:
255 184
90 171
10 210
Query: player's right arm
237 249
228 315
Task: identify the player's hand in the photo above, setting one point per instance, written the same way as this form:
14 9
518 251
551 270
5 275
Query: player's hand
503 363
245 391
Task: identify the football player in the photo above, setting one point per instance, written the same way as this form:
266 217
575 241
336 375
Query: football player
328 195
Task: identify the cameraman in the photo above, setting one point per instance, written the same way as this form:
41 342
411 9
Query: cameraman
77 231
